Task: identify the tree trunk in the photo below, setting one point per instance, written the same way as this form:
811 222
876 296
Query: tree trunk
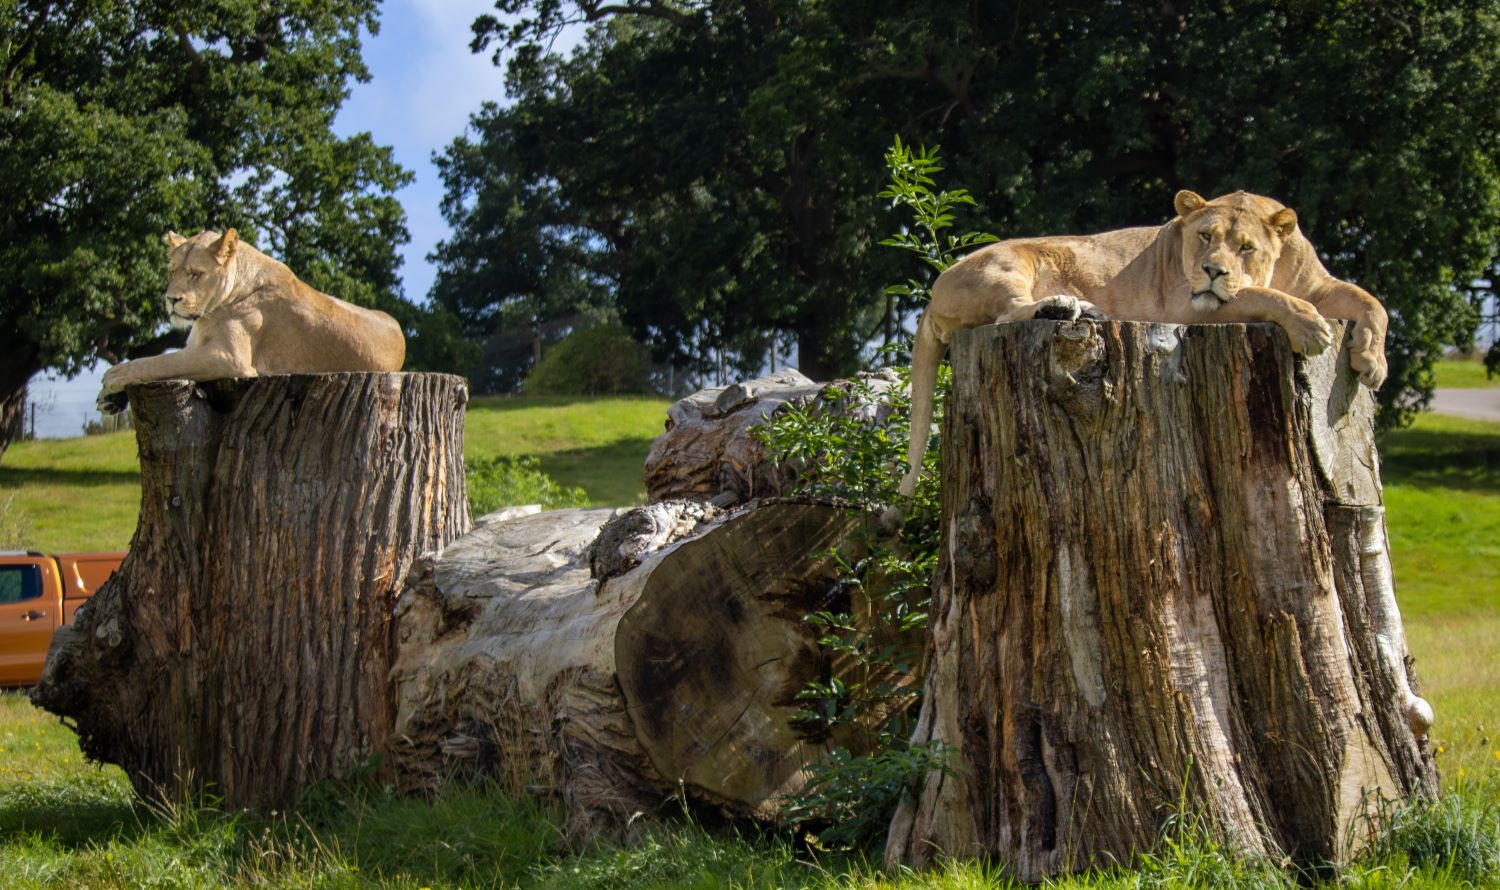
662 657
17 367
243 648
1164 586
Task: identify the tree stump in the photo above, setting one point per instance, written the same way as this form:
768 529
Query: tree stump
1164 584
243 648
616 669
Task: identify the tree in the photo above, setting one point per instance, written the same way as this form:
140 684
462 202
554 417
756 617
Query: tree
124 120
714 163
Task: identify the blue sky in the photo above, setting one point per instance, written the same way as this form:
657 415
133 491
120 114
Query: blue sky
424 85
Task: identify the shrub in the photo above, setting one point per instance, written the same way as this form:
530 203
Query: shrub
602 360
843 450
512 481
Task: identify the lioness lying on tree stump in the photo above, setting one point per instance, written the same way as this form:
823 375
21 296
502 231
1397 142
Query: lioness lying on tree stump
1238 258
247 315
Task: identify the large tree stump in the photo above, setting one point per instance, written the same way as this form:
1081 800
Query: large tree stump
1164 583
620 668
243 648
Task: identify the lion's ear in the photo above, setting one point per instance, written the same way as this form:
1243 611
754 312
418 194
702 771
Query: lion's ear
1284 222
173 240
1186 202
224 247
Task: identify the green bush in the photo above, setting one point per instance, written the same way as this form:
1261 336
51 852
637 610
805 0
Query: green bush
842 452
601 360
497 482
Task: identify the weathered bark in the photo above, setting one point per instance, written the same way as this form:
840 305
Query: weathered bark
710 452
1164 584
669 667
243 649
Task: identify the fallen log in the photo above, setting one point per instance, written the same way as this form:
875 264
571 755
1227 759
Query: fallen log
661 659
242 651
1164 589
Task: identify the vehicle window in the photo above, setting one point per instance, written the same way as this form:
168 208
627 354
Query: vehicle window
19 583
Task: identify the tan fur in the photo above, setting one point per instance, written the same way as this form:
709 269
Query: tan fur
1263 270
248 315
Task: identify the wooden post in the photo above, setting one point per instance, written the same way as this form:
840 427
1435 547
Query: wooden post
1164 586
243 649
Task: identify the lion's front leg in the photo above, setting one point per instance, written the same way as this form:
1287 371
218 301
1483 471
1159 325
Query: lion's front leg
1340 299
187 364
1304 325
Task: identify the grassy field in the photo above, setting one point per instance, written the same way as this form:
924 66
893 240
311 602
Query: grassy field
65 823
83 493
1463 374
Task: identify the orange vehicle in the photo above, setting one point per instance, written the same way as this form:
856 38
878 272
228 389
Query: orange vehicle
39 594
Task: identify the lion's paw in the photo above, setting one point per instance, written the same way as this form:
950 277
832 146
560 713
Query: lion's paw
111 403
1061 308
1309 333
1367 359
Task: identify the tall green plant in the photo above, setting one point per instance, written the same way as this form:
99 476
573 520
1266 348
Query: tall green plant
845 449
912 187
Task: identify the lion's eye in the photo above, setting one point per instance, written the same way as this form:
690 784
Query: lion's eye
1203 236
1247 247
195 274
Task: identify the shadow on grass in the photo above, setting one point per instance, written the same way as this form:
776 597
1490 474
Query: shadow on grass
72 813
611 474
11 477
1443 458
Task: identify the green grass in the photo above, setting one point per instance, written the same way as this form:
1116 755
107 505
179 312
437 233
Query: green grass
64 823
1442 492
1463 374
84 493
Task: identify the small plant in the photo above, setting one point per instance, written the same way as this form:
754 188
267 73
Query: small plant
912 186
1188 854
503 481
849 444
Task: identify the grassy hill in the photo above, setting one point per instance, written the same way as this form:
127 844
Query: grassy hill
65 824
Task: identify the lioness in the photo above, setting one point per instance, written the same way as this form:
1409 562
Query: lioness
247 314
1237 258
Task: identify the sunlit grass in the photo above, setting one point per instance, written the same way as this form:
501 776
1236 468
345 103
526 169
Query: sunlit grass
1463 374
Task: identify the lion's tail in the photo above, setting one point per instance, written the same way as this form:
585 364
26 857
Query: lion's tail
926 353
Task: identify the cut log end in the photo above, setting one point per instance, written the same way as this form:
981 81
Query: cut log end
657 656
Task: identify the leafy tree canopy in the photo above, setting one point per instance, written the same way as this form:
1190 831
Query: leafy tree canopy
711 166
122 120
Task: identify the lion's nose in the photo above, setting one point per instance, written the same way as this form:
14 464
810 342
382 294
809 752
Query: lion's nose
1213 271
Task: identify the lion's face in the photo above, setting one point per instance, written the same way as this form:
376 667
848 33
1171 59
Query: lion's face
200 275
1230 243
